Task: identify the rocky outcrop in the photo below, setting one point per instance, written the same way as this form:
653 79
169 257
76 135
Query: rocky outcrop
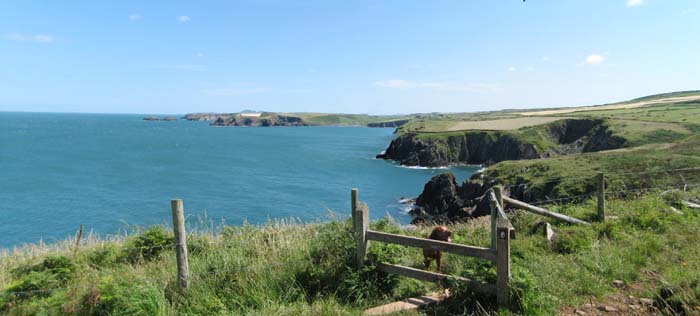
467 148
266 121
394 124
205 116
155 118
487 147
583 135
443 200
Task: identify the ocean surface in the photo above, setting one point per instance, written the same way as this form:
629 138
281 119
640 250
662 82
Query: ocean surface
115 172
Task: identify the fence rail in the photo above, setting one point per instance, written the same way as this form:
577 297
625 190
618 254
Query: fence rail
499 252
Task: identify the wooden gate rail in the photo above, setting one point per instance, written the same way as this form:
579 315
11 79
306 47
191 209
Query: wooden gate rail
540 211
499 252
470 251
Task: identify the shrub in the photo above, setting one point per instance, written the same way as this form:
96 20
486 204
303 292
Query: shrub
103 256
147 246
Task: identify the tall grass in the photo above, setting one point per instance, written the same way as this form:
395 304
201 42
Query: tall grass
292 268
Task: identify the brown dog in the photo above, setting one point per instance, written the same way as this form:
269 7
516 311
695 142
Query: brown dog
441 233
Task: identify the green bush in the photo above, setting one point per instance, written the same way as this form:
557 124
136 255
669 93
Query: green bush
147 246
59 266
103 256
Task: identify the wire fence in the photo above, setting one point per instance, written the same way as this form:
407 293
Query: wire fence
616 183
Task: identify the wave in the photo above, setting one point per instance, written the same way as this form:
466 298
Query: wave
423 168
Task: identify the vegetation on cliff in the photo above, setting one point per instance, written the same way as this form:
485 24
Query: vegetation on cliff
490 137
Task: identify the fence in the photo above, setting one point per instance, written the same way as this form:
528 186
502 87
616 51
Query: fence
499 253
501 232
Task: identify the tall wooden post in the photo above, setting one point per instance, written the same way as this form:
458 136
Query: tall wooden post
498 192
183 270
353 207
78 238
601 196
361 226
503 264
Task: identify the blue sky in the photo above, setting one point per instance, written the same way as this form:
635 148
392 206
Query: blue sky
377 56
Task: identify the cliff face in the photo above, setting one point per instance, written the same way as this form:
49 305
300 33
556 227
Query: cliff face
488 147
444 200
469 148
395 123
273 120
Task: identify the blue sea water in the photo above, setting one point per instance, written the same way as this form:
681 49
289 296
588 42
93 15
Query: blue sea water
111 172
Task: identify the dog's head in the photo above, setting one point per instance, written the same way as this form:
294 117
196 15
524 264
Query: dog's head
441 233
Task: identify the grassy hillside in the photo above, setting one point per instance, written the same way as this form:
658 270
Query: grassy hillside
345 119
295 269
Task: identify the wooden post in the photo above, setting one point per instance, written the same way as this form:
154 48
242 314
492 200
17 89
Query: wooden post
353 207
503 264
183 270
361 226
601 196
498 192
77 239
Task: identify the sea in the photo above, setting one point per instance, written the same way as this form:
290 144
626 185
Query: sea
115 173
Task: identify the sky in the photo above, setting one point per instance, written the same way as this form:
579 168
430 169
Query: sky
375 56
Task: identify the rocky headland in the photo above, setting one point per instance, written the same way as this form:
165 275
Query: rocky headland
562 137
261 121
155 118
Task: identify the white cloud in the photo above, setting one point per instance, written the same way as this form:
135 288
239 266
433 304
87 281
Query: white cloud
545 58
232 92
595 59
188 67
530 68
38 38
634 3
199 54
440 85
511 68
135 17
183 19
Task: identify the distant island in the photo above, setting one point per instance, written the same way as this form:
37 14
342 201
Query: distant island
270 119
155 118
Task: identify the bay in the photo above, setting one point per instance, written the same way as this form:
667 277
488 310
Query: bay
114 172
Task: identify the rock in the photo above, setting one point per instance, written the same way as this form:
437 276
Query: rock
151 118
438 194
580 312
691 204
619 283
646 301
607 309
259 121
634 306
546 228
443 200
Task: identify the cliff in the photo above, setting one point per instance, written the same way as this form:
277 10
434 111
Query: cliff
394 123
264 121
561 137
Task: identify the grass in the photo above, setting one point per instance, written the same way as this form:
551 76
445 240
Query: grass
286 268
625 169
